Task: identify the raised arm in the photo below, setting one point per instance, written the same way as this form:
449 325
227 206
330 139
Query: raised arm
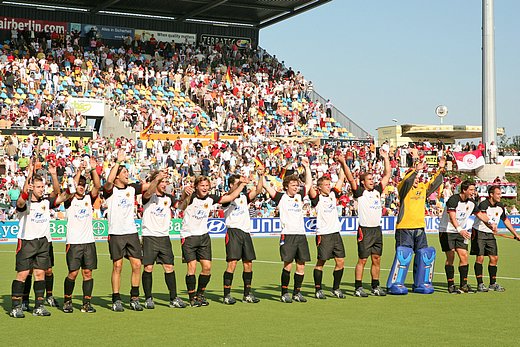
344 173
113 171
308 174
185 198
56 189
259 185
230 197
387 170
96 186
153 185
27 186
270 190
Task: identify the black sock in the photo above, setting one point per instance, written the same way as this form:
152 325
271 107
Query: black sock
191 282
49 284
88 287
358 284
450 274
375 283
39 292
492 274
479 269
203 283
228 280
463 271
247 277
298 280
318 277
286 278
27 288
134 292
17 288
68 286
147 284
338 275
171 283
115 297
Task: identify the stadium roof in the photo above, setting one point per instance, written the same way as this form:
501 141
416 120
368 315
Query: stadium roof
253 13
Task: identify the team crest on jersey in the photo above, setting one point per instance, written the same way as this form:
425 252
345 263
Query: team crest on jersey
165 203
128 194
43 208
86 203
206 205
467 207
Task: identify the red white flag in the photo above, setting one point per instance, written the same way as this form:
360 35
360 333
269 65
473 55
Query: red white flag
469 160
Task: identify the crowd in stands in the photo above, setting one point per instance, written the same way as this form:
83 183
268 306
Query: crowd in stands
176 88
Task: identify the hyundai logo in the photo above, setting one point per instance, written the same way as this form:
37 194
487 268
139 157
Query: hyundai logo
310 224
216 226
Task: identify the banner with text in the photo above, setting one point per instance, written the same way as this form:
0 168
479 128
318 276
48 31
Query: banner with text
165 36
89 107
107 32
9 23
217 227
211 40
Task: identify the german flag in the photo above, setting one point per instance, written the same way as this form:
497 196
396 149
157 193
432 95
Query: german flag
261 113
258 161
215 136
145 131
229 80
274 150
196 131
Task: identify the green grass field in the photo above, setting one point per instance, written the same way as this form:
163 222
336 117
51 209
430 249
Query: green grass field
413 319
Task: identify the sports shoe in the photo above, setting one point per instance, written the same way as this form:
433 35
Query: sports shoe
320 295
26 307
52 302
87 308
195 302
250 299
17 312
286 298
482 288
360 292
338 293
135 305
41 311
467 289
203 300
177 303
378 291
117 306
229 300
496 287
453 290
67 307
149 304
298 297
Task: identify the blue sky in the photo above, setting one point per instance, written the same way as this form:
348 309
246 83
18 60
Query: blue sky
379 59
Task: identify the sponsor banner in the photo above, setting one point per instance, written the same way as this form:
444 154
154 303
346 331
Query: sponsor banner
106 32
89 107
431 160
338 143
211 40
165 36
9 23
217 227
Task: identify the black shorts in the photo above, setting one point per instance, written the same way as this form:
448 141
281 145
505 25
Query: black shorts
294 247
451 241
483 243
157 249
51 254
369 241
82 256
239 245
124 246
197 247
330 246
33 254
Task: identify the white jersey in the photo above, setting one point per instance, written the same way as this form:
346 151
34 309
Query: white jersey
237 213
79 220
291 212
157 215
370 209
327 218
195 221
35 218
463 210
495 213
120 202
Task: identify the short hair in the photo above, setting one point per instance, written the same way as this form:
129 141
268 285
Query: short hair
323 178
200 179
491 190
232 179
289 179
363 176
37 177
465 185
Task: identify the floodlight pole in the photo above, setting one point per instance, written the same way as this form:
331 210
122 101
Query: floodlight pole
489 118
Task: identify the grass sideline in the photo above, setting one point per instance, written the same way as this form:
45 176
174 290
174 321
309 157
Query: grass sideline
437 319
